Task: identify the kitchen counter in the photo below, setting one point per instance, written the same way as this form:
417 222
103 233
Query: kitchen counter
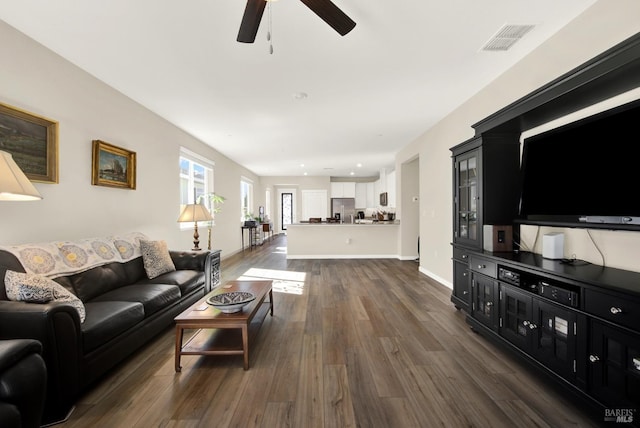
343 240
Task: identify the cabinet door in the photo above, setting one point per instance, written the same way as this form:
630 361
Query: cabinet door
615 366
516 321
554 341
461 286
466 198
484 300
349 189
361 195
337 190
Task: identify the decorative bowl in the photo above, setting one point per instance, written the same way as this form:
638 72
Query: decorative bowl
231 302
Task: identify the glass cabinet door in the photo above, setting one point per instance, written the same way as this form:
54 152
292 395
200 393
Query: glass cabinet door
467 196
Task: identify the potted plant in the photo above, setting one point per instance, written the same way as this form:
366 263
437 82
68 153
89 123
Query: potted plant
215 201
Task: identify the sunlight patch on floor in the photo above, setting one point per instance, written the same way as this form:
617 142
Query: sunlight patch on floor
283 281
280 250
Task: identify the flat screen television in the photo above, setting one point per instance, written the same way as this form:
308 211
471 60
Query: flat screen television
584 174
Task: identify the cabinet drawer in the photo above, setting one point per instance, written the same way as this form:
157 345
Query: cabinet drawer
461 254
483 266
622 311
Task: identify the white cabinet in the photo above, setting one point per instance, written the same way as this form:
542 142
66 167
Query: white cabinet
391 189
372 201
361 195
343 189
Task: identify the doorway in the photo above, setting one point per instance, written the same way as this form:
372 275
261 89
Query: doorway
286 209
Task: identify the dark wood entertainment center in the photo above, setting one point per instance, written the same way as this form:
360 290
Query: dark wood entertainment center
577 322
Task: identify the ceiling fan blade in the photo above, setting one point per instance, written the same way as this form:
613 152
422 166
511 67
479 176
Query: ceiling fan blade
251 20
331 14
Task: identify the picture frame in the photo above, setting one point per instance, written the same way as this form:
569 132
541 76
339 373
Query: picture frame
383 199
32 141
113 166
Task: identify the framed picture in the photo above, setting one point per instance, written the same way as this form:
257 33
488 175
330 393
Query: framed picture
113 166
32 141
383 199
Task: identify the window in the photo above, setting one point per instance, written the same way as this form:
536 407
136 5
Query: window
196 179
246 197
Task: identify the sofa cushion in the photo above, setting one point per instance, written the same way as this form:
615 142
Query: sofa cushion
106 320
187 280
98 280
26 287
153 297
156 258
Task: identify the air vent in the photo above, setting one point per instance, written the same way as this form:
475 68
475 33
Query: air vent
506 37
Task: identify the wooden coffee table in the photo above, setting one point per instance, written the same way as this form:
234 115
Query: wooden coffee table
220 333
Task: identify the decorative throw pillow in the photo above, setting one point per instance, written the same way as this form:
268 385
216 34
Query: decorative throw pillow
27 287
156 258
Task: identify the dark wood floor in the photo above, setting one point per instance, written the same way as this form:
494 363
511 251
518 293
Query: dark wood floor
352 343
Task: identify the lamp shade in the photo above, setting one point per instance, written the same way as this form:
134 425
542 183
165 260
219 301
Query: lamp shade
195 212
14 185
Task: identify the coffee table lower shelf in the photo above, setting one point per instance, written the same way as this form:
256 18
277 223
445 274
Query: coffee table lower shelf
228 338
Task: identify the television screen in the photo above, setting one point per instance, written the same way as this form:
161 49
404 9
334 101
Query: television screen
585 172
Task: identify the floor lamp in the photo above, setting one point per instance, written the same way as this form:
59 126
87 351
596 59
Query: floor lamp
14 185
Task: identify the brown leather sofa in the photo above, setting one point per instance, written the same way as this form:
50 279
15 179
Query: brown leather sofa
124 310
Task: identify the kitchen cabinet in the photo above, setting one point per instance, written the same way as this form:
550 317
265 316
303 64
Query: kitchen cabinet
343 189
361 196
391 189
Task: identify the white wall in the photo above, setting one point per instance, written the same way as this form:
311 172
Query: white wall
602 26
37 80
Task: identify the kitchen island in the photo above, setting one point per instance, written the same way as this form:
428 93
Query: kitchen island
343 240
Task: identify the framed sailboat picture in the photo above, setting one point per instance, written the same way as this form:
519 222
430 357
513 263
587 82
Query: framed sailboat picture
113 166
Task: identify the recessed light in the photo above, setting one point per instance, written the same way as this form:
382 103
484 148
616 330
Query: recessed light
352 173
359 165
305 173
301 165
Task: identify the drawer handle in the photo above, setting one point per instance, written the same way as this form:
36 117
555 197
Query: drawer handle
465 256
465 292
594 358
464 274
615 311
482 266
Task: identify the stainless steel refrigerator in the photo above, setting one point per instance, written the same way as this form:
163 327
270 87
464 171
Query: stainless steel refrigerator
345 207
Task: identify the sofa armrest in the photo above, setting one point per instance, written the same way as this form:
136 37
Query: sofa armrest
56 325
203 261
189 260
23 380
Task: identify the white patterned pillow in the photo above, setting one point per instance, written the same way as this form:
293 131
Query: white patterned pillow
156 258
27 287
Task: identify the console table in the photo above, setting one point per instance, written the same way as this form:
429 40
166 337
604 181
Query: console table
252 235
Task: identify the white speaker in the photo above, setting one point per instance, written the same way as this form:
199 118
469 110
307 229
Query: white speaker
553 245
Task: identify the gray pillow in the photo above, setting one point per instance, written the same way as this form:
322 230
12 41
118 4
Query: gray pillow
156 258
31 288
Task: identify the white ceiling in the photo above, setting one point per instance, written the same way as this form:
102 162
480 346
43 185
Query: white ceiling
406 65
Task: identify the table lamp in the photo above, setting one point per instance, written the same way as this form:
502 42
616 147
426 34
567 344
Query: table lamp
195 213
14 185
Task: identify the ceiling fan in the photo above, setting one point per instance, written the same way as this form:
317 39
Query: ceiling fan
325 9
